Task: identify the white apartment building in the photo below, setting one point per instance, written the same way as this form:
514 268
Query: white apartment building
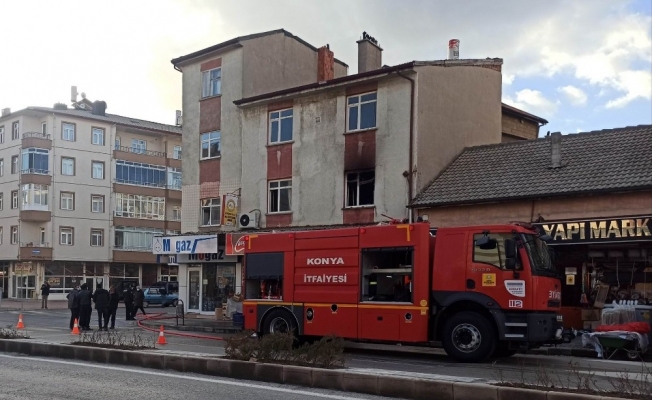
82 193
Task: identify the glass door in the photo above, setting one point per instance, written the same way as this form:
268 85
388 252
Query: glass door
194 289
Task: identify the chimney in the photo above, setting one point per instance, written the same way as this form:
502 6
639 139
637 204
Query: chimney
178 120
454 49
555 149
369 54
73 94
325 64
6 111
99 108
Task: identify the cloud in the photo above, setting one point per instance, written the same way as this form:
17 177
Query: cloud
635 84
533 101
575 95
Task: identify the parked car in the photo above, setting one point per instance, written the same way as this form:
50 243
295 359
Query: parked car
158 295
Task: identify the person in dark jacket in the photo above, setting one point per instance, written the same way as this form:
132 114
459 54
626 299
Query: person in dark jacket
114 299
101 299
45 293
85 307
73 306
128 298
139 298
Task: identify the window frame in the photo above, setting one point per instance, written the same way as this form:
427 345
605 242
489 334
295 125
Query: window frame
2 134
139 206
1 235
346 189
63 131
14 231
206 84
14 164
177 152
61 194
95 162
74 166
123 172
2 201
209 141
278 189
71 233
279 120
15 130
32 152
29 196
138 146
176 210
96 128
358 106
44 128
99 196
210 207
95 232
14 199
2 167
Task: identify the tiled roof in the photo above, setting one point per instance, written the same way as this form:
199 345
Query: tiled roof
113 119
599 161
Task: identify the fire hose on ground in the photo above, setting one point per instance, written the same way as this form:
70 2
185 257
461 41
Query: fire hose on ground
164 316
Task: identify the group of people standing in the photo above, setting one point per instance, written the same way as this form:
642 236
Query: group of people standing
80 303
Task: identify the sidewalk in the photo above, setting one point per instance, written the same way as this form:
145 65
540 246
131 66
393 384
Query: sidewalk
31 304
194 323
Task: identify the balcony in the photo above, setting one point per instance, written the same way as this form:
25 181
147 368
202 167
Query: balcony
139 155
32 215
127 187
33 251
36 176
36 139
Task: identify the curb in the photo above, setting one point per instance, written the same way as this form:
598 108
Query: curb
342 380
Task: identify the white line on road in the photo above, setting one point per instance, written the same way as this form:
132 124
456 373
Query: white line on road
193 378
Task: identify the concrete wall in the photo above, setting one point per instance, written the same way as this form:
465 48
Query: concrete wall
518 128
598 206
457 107
340 70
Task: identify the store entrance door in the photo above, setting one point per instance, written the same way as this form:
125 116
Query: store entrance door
194 289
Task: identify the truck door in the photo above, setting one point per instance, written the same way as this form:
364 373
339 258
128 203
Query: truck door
488 275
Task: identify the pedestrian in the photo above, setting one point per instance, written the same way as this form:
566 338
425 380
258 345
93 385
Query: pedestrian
85 307
139 298
73 305
128 298
45 292
101 299
114 299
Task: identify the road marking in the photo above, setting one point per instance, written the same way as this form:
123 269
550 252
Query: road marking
192 378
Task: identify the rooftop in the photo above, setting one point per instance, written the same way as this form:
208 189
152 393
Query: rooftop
602 161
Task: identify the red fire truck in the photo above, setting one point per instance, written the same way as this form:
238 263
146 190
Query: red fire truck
478 291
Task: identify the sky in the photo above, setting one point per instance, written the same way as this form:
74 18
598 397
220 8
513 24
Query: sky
582 65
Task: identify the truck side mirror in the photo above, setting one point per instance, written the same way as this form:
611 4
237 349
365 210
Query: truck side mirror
510 264
510 248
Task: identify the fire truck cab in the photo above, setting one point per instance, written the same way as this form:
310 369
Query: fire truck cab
478 291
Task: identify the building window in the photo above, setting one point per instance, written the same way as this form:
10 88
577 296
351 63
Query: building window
44 128
97 238
138 146
210 212
280 196
14 164
98 170
211 145
211 83
137 206
67 201
2 167
360 188
35 161
280 126
1 235
135 239
67 166
134 173
176 154
361 112
42 236
35 197
2 134
117 142
174 178
14 199
97 137
14 235
176 212
68 132
2 201
97 204
15 130
66 236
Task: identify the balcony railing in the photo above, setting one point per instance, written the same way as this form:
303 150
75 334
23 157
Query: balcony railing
133 248
146 184
35 244
136 150
37 135
128 214
35 171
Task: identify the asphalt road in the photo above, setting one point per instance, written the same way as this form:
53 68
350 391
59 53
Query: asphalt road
52 326
34 378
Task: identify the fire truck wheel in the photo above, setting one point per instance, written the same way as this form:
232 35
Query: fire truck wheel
469 337
279 321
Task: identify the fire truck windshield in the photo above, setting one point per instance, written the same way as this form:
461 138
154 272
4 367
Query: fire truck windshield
539 255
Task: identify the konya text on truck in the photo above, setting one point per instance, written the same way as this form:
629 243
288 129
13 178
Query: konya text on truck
478 291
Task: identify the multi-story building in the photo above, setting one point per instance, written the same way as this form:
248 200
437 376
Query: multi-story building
82 193
278 131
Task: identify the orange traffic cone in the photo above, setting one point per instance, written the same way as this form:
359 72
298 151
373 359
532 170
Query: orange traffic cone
161 337
75 328
20 322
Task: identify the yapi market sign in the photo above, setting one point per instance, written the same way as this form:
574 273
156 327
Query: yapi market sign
599 230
